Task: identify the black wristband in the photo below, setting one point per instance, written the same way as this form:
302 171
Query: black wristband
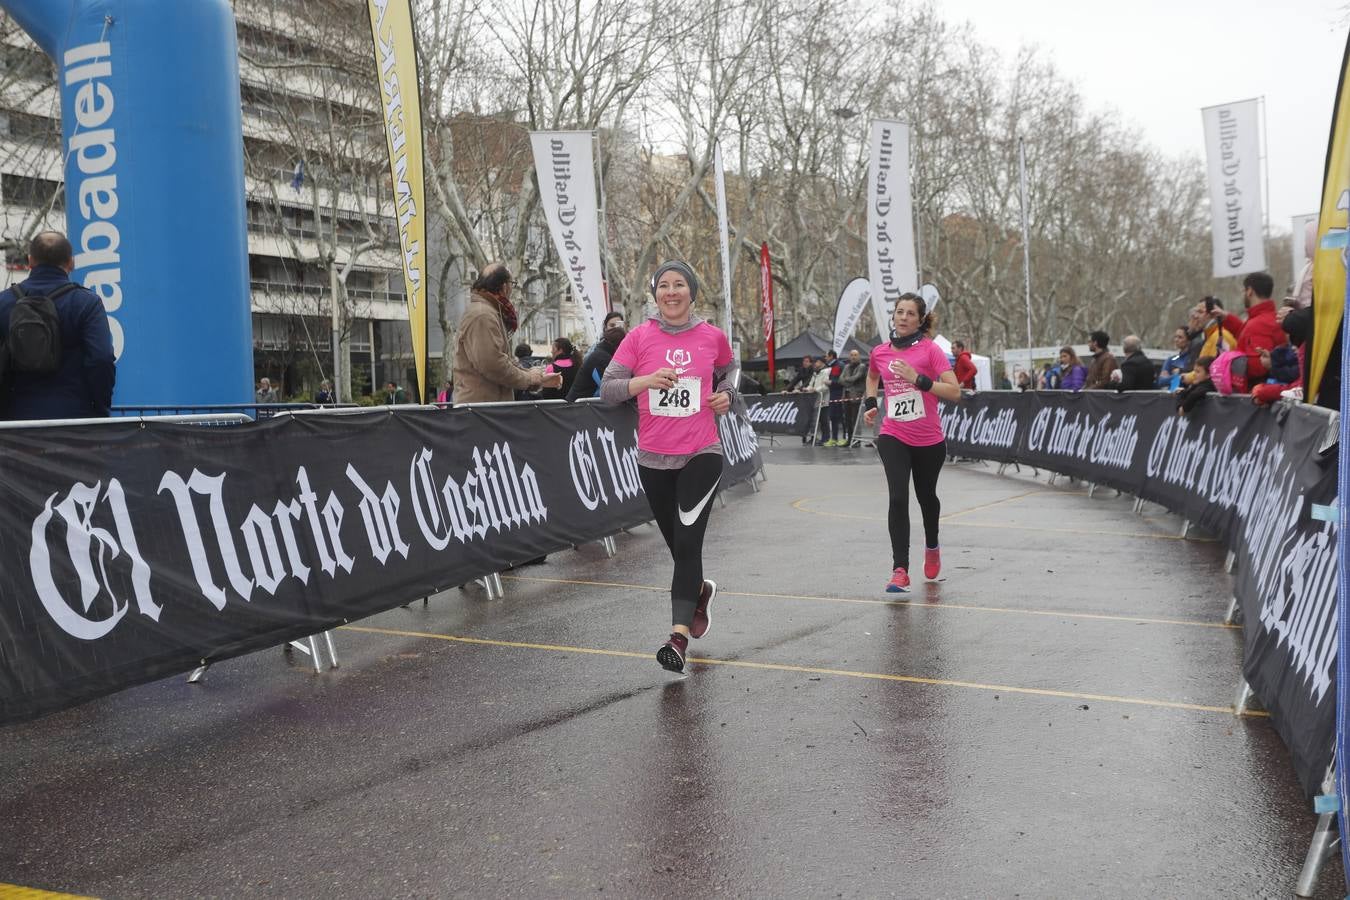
923 383
869 403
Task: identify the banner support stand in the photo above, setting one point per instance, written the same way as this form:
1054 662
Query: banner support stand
1231 616
1324 840
308 646
858 425
1185 528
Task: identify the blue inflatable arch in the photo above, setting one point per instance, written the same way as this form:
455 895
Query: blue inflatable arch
154 174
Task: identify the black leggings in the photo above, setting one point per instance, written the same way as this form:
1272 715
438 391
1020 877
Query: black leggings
899 460
673 495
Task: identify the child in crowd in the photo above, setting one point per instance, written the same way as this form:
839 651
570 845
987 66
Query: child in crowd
1200 385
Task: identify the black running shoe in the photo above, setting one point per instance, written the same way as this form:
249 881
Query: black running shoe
702 618
671 653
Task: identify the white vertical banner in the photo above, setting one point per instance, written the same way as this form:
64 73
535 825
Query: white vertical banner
853 300
1233 158
891 265
724 227
1298 242
565 164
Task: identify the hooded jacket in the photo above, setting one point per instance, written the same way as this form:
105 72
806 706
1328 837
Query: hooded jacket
965 370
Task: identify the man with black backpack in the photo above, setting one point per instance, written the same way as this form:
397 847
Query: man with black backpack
56 350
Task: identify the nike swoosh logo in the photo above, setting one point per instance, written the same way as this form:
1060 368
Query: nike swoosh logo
689 518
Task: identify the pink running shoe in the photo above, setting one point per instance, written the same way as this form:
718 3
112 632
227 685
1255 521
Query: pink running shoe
899 583
703 618
932 562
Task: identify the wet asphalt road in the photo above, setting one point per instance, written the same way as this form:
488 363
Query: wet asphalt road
1046 721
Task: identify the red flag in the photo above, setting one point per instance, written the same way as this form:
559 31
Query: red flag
766 306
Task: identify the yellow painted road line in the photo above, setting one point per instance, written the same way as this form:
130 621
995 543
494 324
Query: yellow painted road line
918 604
1079 532
812 670
1157 536
800 506
18 892
990 505
797 504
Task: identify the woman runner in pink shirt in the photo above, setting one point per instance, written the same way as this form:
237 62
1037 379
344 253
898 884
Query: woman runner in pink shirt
915 373
679 368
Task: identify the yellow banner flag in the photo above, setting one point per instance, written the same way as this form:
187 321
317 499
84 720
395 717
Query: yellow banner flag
1330 253
396 67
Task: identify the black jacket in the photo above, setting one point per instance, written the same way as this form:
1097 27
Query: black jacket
1188 399
1136 373
802 379
83 386
587 381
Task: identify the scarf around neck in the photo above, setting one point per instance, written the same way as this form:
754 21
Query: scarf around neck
900 343
510 320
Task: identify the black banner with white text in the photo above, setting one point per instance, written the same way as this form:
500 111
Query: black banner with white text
129 552
785 413
1249 475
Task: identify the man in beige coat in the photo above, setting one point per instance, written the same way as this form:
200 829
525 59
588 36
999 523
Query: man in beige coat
485 370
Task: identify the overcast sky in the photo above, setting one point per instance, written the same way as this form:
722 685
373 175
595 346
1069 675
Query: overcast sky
1157 62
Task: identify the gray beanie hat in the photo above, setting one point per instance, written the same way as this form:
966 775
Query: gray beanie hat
675 265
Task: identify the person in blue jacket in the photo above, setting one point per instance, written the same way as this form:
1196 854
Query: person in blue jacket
82 385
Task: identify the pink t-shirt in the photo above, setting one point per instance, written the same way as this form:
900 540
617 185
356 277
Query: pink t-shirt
911 415
676 421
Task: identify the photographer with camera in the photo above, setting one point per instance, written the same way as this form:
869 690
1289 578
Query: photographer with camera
1214 329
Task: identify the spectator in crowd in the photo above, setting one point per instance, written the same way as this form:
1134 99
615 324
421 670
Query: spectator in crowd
484 370
1198 388
1136 372
1195 331
751 385
567 363
1023 380
1220 328
802 380
587 382
963 366
394 395
1073 374
325 395
1262 333
1297 324
1050 377
820 386
1300 296
1169 379
1004 383
1103 362
446 393
854 378
265 392
525 359
72 377
835 369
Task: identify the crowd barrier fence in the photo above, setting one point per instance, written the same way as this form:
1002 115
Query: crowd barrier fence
1262 480
135 548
